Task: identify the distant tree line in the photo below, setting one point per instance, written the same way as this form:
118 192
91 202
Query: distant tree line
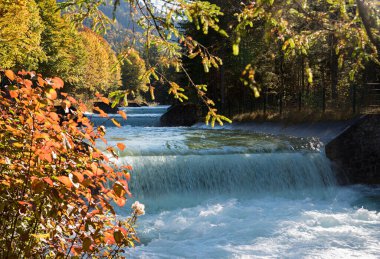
35 36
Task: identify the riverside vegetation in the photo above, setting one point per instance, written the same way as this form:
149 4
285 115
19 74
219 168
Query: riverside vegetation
54 197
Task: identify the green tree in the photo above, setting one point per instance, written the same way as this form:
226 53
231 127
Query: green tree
133 71
62 45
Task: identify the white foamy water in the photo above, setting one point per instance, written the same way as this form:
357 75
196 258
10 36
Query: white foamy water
237 194
263 227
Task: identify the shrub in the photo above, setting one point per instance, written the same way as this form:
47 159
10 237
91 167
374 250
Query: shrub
55 199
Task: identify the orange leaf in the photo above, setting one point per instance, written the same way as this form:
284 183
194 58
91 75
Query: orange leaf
57 82
71 99
66 181
51 94
120 201
128 167
22 73
116 123
119 190
109 239
25 203
49 181
123 114
40 81
54 116
28 83
76 250
121 146
10 74
79 176
13 93
105 100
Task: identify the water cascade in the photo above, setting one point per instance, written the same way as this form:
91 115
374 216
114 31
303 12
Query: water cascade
225 193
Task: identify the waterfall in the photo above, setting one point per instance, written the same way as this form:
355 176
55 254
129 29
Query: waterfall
229 173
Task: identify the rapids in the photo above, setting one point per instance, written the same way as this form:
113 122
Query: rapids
226 193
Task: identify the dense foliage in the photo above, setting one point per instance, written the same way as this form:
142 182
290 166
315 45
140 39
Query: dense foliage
20 34
34 35
57 189
101 71
308 53
305 52
133 71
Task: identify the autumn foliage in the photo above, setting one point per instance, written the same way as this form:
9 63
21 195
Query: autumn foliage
57 189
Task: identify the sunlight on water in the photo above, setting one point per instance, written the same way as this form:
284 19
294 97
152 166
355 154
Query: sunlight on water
217 193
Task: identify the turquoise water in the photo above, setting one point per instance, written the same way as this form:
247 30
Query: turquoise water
218 193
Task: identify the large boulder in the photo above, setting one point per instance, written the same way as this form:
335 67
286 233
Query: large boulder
186 114
356 152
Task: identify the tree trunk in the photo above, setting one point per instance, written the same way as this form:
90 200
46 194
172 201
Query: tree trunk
333 67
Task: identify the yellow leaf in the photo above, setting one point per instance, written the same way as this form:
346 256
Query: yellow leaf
235 49
116 123
41 236
256 92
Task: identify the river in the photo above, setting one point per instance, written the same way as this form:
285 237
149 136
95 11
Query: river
226 193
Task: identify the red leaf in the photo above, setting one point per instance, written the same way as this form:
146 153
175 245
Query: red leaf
128 167
121 146
76 250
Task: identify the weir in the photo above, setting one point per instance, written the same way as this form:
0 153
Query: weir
236 173
235 192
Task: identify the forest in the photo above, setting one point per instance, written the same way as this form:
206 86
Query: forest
235 60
